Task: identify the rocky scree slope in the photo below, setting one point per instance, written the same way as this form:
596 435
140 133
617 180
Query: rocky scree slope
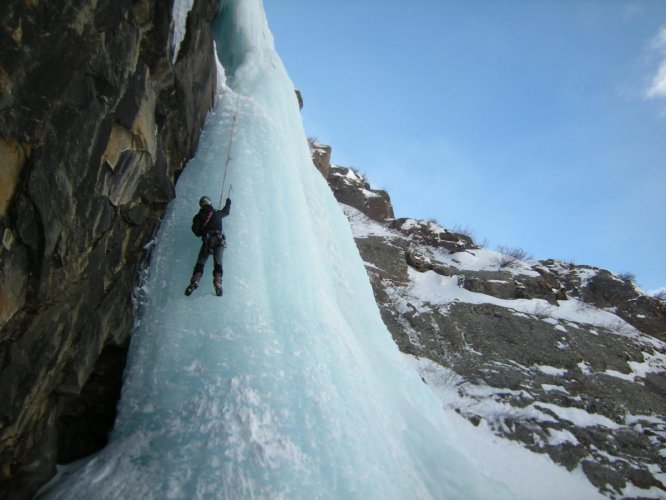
569 360
97 119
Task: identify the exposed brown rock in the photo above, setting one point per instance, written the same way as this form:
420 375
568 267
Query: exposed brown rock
13 157
321 157
351 189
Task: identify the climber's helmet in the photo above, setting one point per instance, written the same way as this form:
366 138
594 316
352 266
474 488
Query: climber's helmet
205 200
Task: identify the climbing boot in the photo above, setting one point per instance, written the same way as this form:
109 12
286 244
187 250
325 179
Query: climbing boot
217 283
194 284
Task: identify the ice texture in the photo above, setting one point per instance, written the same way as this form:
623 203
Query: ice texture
181 8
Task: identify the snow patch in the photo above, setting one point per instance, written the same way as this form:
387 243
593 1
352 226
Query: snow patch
577 416
653 362
429 288
585 367
369 194
551 370
363 226
483 260
624 376
554 388
559 437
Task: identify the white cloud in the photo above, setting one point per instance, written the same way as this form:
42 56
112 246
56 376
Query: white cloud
659 41
658 85
632 9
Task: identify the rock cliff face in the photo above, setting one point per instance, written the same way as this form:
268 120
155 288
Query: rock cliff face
96 121
569 360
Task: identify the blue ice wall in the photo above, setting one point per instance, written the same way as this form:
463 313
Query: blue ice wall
289 386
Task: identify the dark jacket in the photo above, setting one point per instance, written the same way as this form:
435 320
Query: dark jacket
209 219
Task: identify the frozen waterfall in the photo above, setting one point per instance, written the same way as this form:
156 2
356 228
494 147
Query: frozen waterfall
289 386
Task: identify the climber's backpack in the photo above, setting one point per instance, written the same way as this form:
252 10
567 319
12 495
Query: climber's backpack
197 227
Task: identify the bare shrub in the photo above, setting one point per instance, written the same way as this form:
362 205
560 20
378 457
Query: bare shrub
361 175
620 327
584 307
568 263
542 310
627 277
510 255
444 376
660 295
312 142
464 230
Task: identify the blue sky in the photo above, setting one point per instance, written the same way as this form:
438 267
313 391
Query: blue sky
536 124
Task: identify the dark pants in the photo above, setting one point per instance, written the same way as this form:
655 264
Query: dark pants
204 253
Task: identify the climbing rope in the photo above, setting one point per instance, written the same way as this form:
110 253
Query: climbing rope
228 158
231 137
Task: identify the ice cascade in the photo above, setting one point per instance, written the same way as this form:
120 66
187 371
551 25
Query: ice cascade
290 385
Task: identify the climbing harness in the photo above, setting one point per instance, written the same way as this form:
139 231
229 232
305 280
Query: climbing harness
214 239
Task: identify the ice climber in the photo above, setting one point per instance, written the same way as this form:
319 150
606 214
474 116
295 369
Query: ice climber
207 224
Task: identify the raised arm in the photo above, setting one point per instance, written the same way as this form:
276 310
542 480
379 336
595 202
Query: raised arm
227 208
